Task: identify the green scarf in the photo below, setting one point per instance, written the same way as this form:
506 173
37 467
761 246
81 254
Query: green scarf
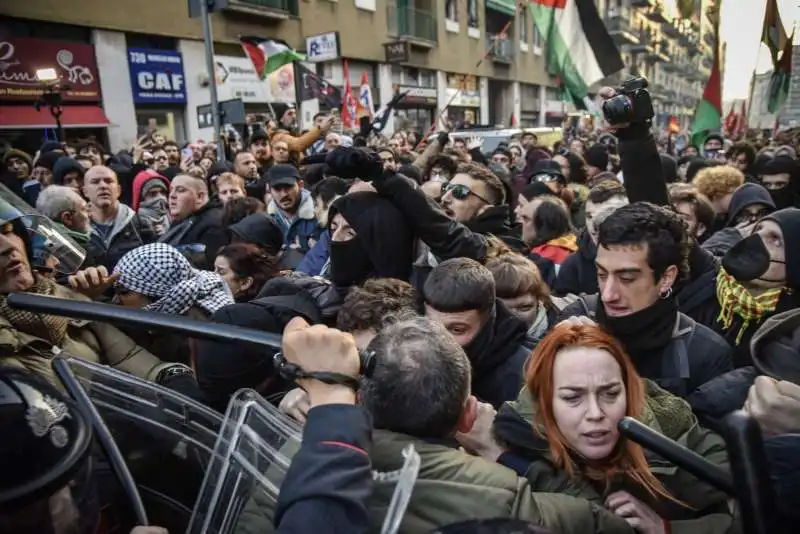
81 238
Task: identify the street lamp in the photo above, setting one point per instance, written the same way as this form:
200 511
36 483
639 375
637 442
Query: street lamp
51 96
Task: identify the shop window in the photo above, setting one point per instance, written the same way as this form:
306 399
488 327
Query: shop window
472 13
45 30
167 123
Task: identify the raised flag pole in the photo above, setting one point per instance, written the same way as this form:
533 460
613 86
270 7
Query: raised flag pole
212 76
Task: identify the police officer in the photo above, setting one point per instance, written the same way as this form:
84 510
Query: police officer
46 480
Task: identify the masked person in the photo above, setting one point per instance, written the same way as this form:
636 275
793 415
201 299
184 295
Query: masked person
48 485
562 435
150 192
642 251
749 204
779 176
759 277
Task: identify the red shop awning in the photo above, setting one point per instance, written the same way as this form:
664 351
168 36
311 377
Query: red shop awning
73 116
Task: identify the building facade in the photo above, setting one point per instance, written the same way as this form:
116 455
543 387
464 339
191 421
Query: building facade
149 68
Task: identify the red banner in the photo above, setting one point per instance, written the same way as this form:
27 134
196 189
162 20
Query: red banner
75 64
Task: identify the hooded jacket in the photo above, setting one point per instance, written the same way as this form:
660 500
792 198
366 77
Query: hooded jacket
303 228
665 413
747 195
128 232
65 165
138 183
498 354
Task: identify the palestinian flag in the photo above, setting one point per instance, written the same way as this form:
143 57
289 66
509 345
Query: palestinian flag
580 51
708 115
778 90
268 55
773 33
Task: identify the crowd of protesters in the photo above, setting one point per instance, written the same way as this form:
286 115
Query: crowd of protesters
519 304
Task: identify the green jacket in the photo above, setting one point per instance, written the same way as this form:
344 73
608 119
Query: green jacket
451 487
664 412
93 341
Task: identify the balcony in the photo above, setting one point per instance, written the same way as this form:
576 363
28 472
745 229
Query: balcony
270 9
619 27
501 48
418 26
656 13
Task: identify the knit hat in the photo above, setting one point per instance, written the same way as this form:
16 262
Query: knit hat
597 156
50 146
48 160
15 153
152 183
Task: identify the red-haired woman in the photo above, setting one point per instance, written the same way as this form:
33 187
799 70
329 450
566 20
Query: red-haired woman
562 435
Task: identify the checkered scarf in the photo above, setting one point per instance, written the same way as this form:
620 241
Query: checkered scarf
735 299
162 273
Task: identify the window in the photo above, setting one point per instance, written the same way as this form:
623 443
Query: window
451 10
537 37
397 75
523 25
427 78
472 13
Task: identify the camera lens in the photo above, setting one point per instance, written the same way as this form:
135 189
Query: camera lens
618 109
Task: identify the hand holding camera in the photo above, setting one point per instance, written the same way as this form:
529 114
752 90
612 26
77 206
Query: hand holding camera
628 104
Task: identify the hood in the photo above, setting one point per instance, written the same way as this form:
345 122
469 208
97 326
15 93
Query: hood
789 221
259 229
747 195
383 231
65 165
138 182
775 347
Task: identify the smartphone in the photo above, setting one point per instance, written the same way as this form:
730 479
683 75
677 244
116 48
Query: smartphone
186 152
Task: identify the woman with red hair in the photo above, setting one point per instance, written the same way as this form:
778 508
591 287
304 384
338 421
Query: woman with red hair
562 435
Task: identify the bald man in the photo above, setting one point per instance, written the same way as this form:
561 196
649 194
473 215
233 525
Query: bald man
116 228
196 221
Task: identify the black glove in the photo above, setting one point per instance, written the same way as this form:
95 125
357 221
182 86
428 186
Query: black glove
351 163
443 138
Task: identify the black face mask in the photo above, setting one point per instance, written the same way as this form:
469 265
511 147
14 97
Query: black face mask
350 263
748 260
783 197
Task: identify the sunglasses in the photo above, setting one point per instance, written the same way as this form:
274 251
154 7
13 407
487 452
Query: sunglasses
461 192
546 178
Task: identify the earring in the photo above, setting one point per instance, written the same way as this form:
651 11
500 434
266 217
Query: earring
665 294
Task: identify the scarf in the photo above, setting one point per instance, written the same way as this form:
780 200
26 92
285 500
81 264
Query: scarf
52 328
155 211
539 327
735 299
644 333
81 238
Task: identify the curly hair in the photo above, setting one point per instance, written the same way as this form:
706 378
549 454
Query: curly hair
660 228
718 181
374 303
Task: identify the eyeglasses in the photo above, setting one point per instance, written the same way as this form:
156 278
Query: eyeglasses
461 192
161 158
747 216
546 178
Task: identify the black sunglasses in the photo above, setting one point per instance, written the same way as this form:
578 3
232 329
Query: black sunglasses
461 192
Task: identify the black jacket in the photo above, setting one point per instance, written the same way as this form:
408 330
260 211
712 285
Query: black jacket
578 273
498 354
696 292
495 221
693 357
329 481
200 235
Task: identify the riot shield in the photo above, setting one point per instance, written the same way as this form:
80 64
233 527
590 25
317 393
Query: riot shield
252 455
167 441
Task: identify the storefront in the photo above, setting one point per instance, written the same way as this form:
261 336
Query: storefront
529 105
465 100
21 125
159 92
418 108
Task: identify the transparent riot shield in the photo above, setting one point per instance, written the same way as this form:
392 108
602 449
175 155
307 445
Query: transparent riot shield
167 441
251 458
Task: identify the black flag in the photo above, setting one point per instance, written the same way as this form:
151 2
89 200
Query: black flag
312 86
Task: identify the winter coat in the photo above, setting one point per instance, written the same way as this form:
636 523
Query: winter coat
495 221
695 293
129 232
452 486
200 235
578 273
708 511
95 342
304 228
693 357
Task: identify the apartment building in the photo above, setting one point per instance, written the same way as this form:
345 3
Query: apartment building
143 62
675 55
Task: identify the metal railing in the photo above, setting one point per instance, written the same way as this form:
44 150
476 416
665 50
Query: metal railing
412 22
290 6
500 47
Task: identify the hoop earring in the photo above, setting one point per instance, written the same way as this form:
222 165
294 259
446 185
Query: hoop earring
665 294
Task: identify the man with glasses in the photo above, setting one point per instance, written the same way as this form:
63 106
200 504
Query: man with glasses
160 160
749 204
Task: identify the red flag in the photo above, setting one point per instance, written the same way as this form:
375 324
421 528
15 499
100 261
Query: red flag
673 126
349 103
730 122
513 120
741 128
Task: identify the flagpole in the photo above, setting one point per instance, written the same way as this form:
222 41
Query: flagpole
461 86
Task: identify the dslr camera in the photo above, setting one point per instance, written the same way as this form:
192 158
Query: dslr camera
631 104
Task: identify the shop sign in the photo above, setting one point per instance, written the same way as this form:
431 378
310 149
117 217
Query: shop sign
418 96
322 47
462 91
397 52
237 78
75 64
156 76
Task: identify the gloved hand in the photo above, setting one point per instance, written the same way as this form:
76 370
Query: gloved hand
351 163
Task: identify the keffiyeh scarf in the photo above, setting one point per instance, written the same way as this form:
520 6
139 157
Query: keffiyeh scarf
735 299
162 273
53 328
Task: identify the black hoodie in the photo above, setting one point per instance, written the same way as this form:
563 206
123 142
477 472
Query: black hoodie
498 354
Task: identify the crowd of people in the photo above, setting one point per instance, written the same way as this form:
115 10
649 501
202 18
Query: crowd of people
518 304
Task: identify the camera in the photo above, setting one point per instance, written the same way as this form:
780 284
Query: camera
631 104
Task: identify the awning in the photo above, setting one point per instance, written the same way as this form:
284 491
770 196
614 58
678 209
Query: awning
73 116
507 7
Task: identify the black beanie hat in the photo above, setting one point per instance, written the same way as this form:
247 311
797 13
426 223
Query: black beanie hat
48 160
597 156
789 221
